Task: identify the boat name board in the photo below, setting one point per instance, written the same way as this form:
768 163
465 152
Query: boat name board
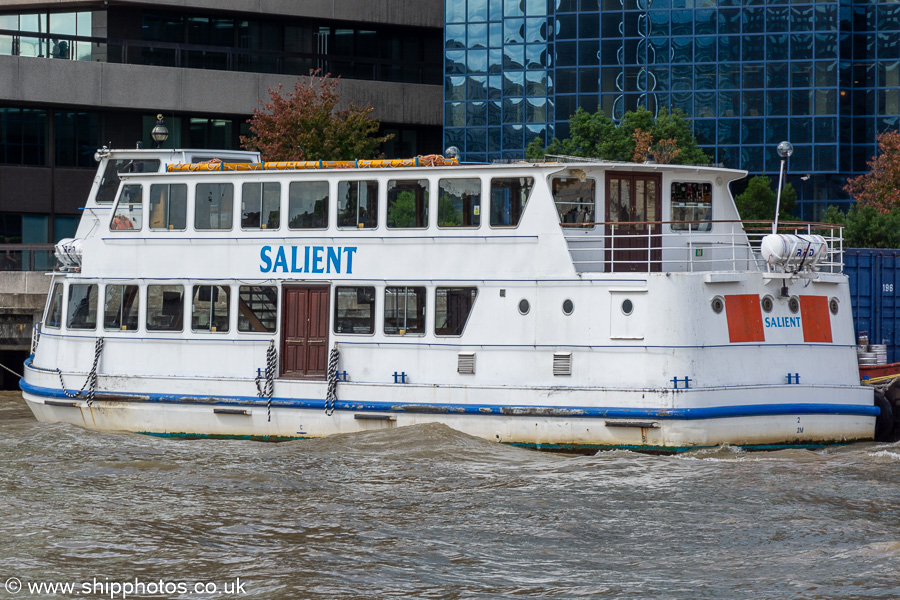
307 259
782 321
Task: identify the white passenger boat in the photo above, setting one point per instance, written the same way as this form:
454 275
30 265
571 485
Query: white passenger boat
557 305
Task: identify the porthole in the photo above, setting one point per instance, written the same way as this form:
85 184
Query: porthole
718 304
768 303
834 305
627 307
524 307
794 304
568 307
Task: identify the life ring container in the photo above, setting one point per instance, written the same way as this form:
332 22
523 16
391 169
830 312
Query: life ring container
884 422
121 222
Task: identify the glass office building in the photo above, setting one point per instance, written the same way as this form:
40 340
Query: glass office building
749 73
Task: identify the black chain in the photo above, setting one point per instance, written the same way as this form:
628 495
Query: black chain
91 378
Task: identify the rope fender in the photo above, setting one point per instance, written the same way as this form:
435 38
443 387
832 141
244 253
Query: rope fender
91 378
331 396
269 388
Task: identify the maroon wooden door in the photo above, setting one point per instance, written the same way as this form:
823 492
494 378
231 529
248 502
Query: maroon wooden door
304 346
633 208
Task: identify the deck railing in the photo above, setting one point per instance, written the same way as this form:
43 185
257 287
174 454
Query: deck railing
27 257
688 246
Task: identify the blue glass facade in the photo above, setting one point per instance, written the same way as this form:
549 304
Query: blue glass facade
749 73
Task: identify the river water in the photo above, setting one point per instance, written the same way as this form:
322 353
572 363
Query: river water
426 512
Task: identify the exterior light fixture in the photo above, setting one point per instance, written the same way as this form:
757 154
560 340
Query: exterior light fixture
785 149
159 133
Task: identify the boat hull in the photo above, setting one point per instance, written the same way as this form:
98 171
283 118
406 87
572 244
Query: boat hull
548 418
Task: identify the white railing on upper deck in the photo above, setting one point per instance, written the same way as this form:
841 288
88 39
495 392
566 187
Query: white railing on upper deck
653 246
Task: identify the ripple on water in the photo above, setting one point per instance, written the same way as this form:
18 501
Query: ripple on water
429 512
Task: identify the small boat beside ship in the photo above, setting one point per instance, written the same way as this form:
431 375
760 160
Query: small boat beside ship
569 305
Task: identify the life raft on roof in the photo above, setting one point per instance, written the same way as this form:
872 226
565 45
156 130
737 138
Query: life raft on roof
429 160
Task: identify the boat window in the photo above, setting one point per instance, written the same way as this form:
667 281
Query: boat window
213 206
459 203
106 193
120 310
354 310
165 307
407 203
260 205
168 206
357 204
451 309
308 205
691 206
574 200
209 309
508 198
257 308
54 311
404 310
127 216
81 312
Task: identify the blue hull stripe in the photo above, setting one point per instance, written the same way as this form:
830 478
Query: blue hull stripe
716 412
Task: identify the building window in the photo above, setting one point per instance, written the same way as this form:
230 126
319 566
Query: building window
574 200
358 204
452 307
260 205
691 206
54 311
168 206
308 205
354 310
209 308
508 198
407 204
127 216
257 308
82 310
404 310
120 311
213 204
165 307
459 203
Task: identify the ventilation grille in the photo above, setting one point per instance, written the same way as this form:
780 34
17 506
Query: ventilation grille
466 363
562 363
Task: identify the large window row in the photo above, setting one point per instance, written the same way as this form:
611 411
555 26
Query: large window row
210 308
346 204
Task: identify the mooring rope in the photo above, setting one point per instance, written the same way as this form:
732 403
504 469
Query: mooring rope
19 375
331 396
269 388
91 378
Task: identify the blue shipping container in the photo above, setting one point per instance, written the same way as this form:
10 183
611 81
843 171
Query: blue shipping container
874 286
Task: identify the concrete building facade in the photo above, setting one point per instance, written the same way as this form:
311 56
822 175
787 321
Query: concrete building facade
81 74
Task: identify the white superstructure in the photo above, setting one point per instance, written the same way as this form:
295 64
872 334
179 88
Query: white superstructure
558 305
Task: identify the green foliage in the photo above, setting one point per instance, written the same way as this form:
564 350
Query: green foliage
448 214
757 202
866 226
306 125
402 210
596 135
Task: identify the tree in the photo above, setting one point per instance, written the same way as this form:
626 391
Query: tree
639 136
757 202
865 226
306 125
880 187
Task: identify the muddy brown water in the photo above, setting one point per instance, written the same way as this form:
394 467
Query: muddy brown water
427 512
